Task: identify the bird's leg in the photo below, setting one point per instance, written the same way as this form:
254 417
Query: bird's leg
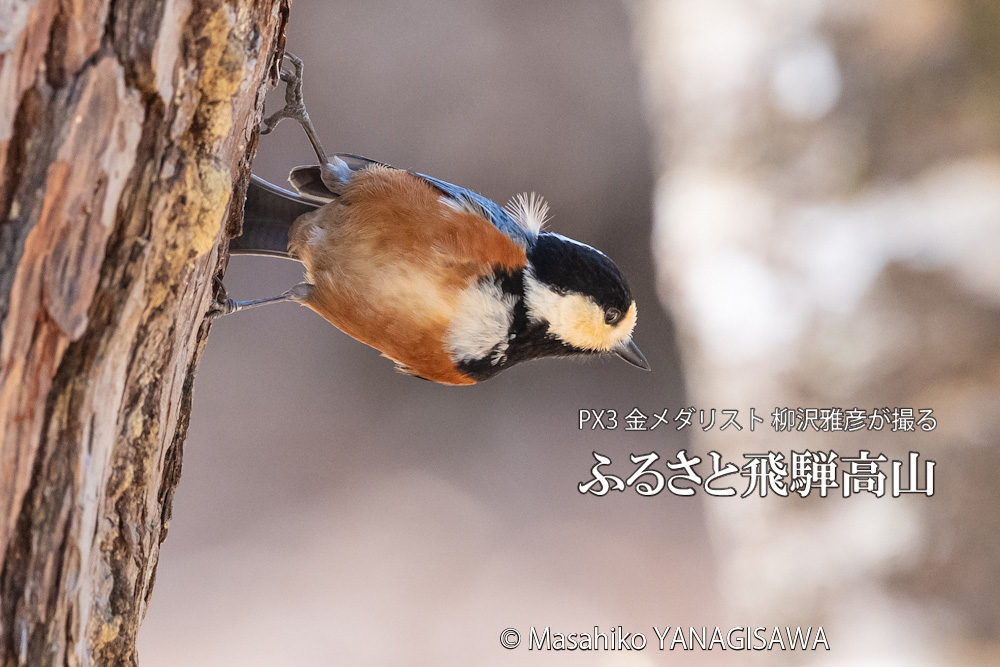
295 107
223 305
333 174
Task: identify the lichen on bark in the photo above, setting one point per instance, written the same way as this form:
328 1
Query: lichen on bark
126 134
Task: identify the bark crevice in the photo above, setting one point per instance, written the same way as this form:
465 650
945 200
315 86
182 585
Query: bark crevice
126 134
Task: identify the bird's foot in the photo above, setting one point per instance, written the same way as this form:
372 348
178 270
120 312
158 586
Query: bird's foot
295 107
221 303
334 173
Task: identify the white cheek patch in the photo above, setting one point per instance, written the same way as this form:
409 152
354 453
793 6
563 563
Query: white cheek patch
574 318
482 320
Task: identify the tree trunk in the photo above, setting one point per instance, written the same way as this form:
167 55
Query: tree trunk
126 135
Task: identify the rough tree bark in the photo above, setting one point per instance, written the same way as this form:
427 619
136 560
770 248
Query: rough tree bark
126 134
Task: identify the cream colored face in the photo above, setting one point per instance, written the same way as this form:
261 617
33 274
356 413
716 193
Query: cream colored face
576 319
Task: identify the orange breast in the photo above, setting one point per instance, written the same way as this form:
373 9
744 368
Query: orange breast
388 261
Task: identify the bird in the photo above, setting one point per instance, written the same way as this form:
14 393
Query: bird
446 283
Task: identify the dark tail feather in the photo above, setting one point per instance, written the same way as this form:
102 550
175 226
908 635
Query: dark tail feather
267 217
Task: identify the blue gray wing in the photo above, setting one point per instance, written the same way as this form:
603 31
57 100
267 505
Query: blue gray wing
483 207
307 182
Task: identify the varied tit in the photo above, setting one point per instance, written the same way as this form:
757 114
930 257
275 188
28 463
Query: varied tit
446 283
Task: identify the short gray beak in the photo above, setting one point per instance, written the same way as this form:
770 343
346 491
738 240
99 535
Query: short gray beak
630 353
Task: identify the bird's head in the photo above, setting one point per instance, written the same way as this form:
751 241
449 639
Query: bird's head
581 297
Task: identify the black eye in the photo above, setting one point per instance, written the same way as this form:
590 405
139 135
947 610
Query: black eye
612 316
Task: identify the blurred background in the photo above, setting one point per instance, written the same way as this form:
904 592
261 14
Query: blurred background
805 195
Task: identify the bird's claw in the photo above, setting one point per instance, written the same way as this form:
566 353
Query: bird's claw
295 107
221 303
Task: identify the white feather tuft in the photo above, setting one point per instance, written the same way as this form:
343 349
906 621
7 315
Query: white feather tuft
529 211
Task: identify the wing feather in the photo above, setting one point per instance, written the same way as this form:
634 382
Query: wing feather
307 182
